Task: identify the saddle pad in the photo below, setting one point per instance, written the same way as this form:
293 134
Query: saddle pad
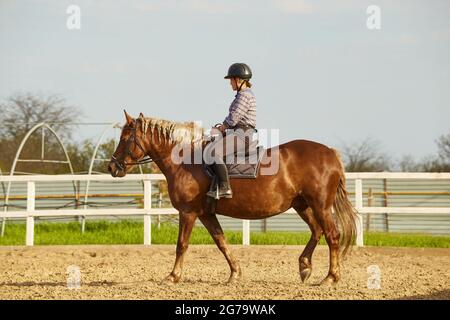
246 170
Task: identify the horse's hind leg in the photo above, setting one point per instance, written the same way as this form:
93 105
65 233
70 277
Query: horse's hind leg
212 225
325 218
305 259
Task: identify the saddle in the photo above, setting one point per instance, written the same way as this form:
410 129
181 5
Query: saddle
244 166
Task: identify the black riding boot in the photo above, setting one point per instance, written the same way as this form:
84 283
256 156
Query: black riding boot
224 182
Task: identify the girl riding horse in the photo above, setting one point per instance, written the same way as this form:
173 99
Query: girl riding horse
242 115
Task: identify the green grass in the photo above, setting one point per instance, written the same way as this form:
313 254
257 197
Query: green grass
381 239
131 232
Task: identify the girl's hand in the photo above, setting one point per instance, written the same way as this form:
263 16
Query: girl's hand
217 130
219 127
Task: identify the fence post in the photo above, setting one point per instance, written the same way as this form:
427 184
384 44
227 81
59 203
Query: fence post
147 216
246 232
31 196
159 206
369 204
359 220
386 216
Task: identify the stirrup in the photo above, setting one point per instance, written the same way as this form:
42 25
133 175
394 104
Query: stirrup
217 194
213 194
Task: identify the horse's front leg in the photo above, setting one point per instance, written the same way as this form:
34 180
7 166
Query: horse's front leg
187 221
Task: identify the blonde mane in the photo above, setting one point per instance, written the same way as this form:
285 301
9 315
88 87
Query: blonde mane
173 132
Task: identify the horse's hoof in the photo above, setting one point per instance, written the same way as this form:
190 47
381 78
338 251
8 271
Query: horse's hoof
329 281
232 281
234 278
305 273
170 280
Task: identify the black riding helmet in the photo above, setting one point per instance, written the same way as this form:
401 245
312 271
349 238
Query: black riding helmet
239 70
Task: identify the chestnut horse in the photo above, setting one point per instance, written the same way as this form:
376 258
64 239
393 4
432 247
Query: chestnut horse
310 179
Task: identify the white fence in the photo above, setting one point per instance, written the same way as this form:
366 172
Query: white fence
148 211
359 176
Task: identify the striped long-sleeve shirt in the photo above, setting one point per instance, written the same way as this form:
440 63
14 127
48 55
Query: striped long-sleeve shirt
242 110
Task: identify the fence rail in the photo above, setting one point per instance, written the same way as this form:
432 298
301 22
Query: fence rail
31 213
148 210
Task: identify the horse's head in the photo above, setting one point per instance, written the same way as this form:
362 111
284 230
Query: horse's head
131 149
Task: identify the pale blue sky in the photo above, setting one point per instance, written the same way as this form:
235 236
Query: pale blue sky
319 73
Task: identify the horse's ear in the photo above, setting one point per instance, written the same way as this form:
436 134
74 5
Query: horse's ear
129 118
141 115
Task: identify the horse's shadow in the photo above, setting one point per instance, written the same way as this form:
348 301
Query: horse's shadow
219 283
56 284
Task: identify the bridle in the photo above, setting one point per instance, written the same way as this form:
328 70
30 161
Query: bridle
122 163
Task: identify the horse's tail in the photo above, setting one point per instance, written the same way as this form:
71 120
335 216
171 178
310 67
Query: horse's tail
345 212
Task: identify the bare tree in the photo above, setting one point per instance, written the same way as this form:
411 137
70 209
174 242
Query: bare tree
440 162
408 164
21 111
443 143
365 156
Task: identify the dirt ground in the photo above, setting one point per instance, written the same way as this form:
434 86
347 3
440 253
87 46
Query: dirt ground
269 272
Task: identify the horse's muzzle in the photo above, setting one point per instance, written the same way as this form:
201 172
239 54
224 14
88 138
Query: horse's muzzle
114 169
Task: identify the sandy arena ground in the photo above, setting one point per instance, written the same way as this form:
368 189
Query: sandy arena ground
269 272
